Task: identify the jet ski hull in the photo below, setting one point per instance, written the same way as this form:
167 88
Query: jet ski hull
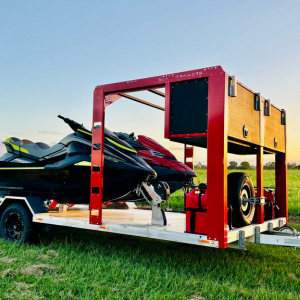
70 184
62 172
162 161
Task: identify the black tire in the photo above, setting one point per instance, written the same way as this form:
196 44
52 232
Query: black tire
239 187
16 225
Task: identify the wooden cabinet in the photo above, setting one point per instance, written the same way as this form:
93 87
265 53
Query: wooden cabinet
274 131
243 120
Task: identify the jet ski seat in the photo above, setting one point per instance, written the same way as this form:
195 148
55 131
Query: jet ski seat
14 140
32 150
39 150
25 142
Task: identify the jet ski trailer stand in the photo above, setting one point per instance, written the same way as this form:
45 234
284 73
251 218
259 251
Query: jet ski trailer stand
205 108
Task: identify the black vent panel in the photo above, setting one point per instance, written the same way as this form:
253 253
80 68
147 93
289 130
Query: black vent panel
189 106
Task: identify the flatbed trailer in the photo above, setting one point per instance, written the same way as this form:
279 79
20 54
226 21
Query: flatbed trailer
137 222
206 108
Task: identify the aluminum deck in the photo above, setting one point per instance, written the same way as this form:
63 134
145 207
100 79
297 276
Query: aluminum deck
137 222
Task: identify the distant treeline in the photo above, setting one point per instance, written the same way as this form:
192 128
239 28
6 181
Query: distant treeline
233 165
290 166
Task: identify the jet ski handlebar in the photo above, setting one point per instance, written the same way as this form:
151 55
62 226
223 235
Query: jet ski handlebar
61 117
74 125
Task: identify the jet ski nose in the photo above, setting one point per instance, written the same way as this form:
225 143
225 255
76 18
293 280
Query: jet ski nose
153 175
150 172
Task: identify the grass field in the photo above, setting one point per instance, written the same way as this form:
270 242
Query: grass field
79 264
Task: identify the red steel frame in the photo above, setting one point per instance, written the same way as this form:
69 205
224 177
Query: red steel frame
189 153
259 169
217 140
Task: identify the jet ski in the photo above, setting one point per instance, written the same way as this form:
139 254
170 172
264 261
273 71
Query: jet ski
169 170
62 172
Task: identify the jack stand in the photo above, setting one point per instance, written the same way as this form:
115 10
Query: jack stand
158 214
168 206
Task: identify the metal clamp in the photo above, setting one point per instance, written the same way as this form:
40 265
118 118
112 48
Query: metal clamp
242 240
232 86
256 200
257 235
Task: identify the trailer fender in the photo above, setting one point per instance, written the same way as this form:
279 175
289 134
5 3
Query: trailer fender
34 205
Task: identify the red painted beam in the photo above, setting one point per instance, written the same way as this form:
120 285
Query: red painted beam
158 81
281 185
259 184
97 160
260 212
217 158
189 153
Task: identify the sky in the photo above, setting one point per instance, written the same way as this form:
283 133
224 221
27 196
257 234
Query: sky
54 53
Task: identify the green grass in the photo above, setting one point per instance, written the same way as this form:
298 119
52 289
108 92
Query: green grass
94 265
176 199
80 264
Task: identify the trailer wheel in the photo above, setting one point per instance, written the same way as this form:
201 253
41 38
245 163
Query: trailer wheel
16 225
239 187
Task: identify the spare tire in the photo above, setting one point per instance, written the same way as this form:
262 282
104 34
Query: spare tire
239 187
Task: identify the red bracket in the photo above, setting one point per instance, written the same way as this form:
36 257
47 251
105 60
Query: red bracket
189 153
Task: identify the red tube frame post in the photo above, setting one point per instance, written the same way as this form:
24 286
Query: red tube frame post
281 185
260 210
189 153
217 158
97 161
259 184
281 181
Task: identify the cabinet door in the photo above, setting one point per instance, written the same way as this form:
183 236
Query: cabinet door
242 116
274 131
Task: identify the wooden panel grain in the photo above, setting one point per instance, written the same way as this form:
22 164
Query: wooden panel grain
274 129
241 112
129 217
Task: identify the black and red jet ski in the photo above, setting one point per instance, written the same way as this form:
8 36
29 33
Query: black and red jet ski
162 161
62 172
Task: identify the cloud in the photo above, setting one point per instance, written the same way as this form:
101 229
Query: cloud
175 148
50 132
2 148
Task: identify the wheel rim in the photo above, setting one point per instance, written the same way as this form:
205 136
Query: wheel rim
245 194
14 227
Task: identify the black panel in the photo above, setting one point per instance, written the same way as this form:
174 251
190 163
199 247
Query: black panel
189 106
